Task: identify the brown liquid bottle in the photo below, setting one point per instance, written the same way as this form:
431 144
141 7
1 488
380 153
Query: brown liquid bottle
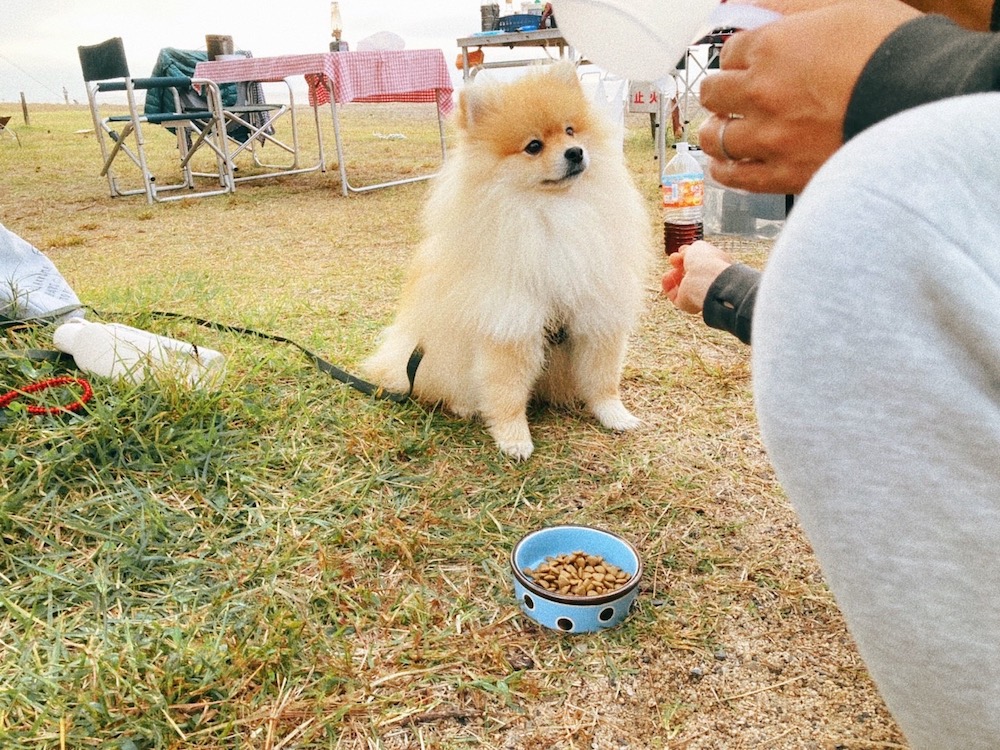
683 186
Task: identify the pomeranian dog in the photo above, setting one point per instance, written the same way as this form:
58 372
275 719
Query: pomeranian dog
533 271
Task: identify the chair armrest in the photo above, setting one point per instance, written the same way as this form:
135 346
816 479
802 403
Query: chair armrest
159 82
162 82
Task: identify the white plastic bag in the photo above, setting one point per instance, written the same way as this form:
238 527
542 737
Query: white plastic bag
30 285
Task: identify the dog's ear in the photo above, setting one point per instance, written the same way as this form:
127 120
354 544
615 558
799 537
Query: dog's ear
565 72
474 102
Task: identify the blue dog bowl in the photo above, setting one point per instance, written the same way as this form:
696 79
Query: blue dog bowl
565 612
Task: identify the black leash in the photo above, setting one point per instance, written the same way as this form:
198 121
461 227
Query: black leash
37 355
369 389
31 320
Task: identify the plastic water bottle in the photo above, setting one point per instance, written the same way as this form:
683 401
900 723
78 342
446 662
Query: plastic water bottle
122 352
683 184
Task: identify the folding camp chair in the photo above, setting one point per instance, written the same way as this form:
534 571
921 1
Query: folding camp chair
250 120
250 125
105 69
700 59
4 130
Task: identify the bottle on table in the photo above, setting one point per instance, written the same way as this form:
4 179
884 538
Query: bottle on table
491 16
683 186
336 28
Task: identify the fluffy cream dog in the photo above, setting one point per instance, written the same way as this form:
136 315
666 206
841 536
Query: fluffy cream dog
533 271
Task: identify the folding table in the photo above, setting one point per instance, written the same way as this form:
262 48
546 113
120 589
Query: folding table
547 39
380 76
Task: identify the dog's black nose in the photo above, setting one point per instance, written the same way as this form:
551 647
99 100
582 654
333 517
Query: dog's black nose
574 155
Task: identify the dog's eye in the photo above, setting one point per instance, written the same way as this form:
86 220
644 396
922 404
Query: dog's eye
569 130
534 147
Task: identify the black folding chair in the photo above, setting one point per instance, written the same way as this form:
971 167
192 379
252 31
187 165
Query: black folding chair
105 70
5 131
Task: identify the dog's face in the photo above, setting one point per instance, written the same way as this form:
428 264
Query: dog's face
537 132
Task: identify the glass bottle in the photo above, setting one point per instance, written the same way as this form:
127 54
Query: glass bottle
336 26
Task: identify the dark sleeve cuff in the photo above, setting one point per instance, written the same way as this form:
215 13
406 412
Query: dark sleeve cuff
729 301
924 60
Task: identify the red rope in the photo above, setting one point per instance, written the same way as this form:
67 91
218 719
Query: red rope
41 385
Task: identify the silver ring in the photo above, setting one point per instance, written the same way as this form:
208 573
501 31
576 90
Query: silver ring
722 138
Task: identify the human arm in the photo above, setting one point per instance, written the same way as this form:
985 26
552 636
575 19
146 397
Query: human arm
978 15
925 60
704 279
866 61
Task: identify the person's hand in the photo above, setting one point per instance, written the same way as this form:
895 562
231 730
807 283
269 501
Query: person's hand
789 83
546 16
694 268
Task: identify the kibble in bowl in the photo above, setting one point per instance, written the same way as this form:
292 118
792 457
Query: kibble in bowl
575 579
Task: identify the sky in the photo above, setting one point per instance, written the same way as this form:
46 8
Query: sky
38 38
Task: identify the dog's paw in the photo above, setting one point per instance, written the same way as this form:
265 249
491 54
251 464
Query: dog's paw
513 439
613 415
520 450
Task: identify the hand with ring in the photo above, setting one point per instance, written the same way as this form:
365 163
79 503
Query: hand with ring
790 105
722 138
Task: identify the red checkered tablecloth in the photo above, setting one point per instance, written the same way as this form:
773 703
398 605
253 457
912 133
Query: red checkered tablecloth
385 76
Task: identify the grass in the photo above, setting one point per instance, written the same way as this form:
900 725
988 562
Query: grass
285 563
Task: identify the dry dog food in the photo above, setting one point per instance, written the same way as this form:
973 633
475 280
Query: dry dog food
578 574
